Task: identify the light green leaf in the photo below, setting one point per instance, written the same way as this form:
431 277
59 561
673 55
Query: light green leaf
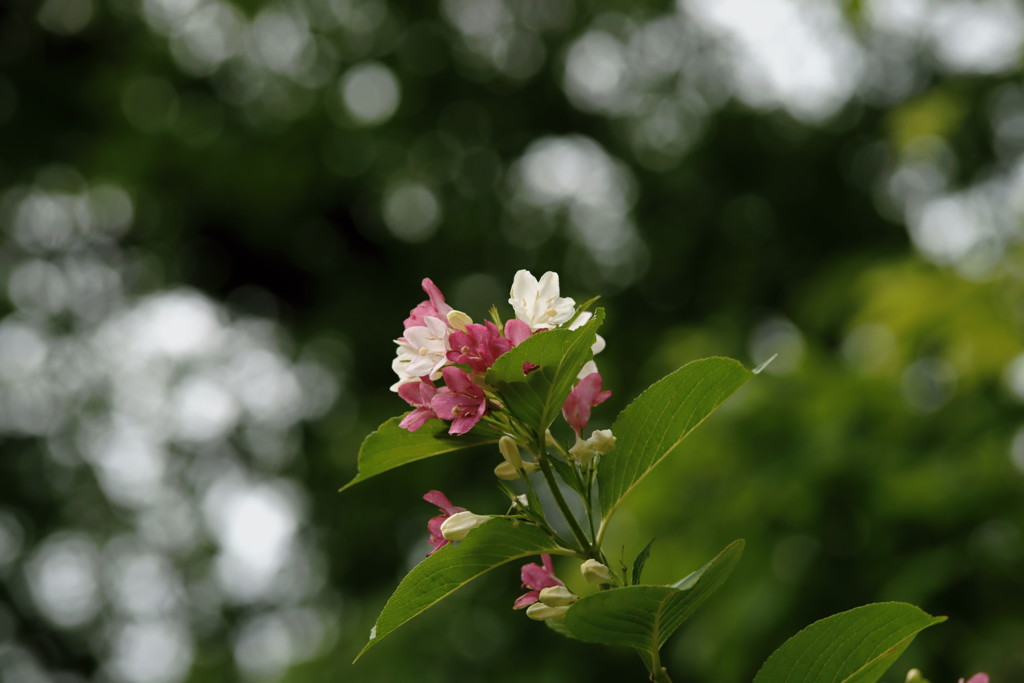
391 446
643 617
655 423
490 545
536 399
857 646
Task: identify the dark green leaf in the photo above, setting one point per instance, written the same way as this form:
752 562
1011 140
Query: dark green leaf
490 545
391 446
641 560
655 423
643 617
857 646
536 399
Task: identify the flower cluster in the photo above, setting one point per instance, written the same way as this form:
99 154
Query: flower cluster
441 343
442 361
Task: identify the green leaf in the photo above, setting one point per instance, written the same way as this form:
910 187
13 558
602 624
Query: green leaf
536 399
641 560
857 646
559 627
490 545
655 423
643 617
391 446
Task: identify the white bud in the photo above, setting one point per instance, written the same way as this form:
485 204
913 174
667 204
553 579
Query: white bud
595 572
538 611
458 525
557 596
915 676
510 451
522 501
505 471
600 442
459 320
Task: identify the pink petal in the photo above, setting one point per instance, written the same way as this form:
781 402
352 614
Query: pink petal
434 306
446 403
417 394
458 380
516 331
526 599
436 297
442 502
416 419
578 403
462 425
978 678
535 576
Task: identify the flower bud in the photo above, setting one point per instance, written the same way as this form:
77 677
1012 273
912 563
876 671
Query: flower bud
600 442
459 320
915 676
557 596
510 451
538 611
458 525
596 573
505 470
522 501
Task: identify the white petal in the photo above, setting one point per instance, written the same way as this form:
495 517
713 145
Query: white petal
548 286
588 368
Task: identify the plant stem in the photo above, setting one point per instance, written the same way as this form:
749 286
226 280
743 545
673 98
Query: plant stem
659 674
549 475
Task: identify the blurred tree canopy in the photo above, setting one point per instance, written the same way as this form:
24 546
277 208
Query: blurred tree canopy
216 214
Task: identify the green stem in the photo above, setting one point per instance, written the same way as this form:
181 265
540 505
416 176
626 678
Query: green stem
659 674
600 533
549 475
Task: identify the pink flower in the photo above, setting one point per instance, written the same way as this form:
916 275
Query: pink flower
478 346
581 399
977 678
536 578
459 400
434 306
434 525
418 395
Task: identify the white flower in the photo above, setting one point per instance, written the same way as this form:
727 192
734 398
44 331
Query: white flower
537 303
600 442
423 351
456 527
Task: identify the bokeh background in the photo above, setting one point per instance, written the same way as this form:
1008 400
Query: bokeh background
216 214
